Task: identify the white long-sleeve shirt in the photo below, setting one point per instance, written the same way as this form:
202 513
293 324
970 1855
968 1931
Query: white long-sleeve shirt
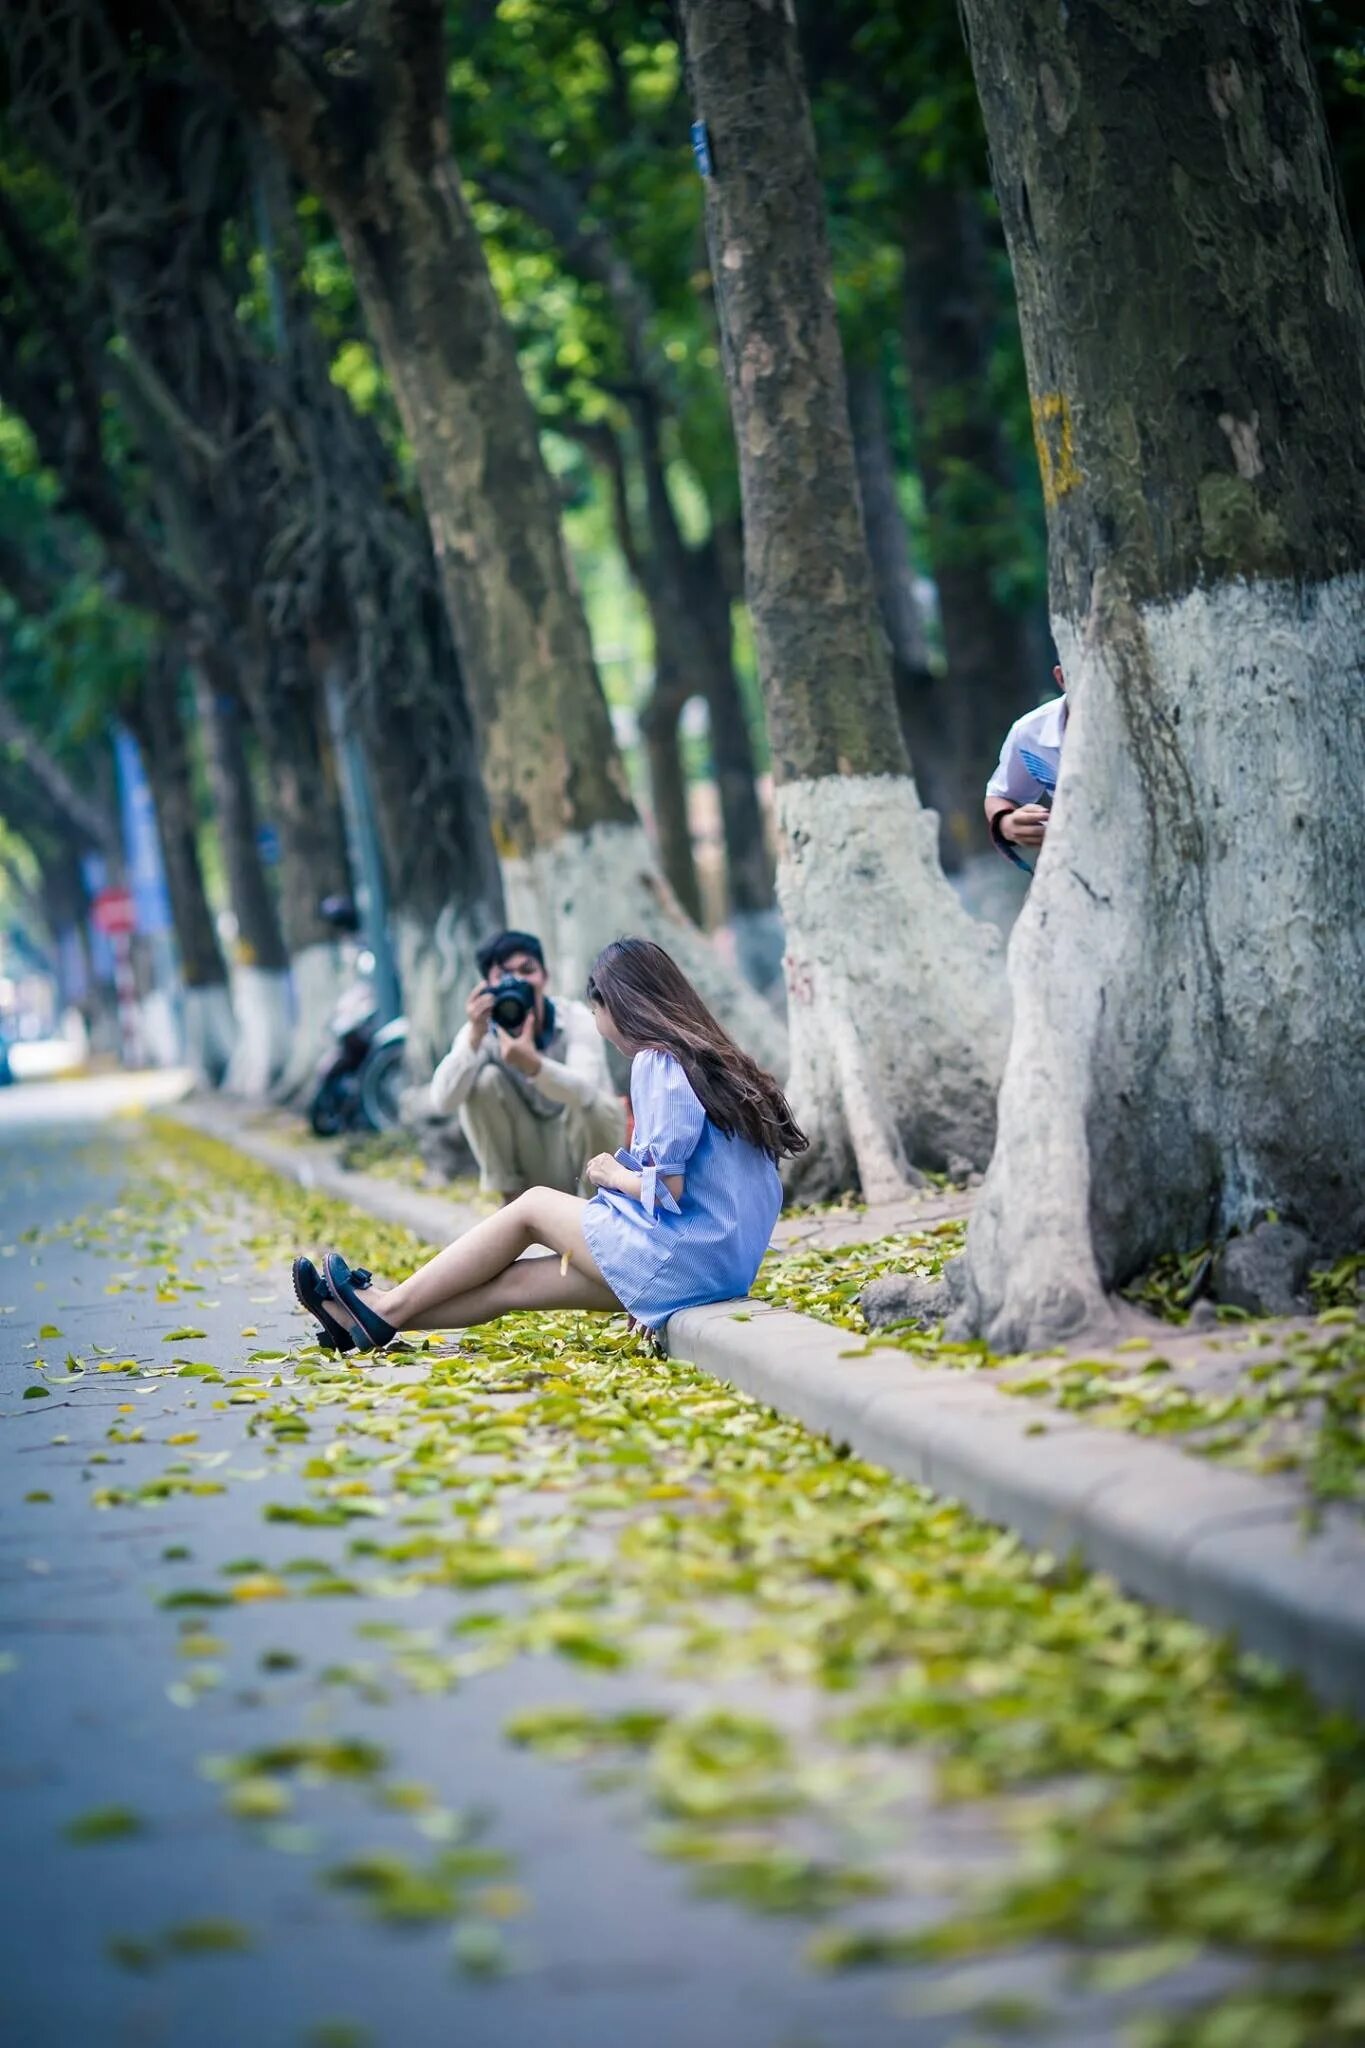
578 1080
1033 742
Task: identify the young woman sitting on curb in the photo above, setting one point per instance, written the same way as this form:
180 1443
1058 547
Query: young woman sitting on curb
682 1219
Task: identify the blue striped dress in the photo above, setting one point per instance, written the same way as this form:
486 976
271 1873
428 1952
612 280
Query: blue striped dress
658 1255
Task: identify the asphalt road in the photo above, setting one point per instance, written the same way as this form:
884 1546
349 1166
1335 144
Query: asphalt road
113 1704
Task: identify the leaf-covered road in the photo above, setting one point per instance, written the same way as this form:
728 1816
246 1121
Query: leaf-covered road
537 1692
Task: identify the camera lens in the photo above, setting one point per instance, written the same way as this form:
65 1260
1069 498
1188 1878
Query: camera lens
513 1005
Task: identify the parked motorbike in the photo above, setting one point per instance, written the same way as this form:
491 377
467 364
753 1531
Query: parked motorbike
359 1078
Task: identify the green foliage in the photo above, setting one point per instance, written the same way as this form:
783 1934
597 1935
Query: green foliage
71 663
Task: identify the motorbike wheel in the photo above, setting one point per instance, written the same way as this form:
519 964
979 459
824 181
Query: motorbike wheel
329 1113
381 1084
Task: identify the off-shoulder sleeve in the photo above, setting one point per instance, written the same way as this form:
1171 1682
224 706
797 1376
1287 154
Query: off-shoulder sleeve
669 1121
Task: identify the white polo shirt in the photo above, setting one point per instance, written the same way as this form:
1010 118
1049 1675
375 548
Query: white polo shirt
1031 755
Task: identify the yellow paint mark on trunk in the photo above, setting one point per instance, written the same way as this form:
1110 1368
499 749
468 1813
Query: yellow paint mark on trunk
1054 439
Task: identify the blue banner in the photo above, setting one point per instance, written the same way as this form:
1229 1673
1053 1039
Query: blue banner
96 874
141 847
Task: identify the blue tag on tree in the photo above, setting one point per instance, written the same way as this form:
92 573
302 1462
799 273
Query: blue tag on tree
701 148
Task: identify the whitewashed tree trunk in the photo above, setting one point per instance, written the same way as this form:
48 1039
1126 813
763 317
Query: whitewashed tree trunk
603 884
317 976
895 996
895 1001
210 1032
437 968
760 947
1189 1050
1177 973
261 1005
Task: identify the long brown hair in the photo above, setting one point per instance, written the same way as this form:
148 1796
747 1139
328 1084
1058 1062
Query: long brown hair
654 1005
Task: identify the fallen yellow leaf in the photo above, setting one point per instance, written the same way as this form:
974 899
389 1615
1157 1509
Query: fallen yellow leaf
260 1586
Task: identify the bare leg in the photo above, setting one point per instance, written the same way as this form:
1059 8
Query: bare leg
540 1216
528 1284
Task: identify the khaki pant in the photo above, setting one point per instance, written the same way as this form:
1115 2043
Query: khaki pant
517 1149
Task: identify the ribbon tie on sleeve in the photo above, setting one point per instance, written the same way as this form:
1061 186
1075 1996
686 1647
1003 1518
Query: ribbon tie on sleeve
653 1194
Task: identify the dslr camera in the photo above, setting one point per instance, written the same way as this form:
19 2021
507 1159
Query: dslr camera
513 1002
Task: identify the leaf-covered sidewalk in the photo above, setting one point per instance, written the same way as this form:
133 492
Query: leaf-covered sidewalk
1284 1398
530 1670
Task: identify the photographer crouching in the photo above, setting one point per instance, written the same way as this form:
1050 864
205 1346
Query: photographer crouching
528 1076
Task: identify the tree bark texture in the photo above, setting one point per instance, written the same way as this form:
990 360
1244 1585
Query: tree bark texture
259 971
221 719
659 716
1187 971
684 587
921 697
282 699
366 127
970 498
668 790
212 470
281 503
896 1027
688 601
748 862
388 635
157 721
888 543
691 605
357 103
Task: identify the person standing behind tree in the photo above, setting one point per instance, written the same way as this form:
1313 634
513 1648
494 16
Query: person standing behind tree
1019 794
535 1099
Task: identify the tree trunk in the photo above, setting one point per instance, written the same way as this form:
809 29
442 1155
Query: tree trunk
921 697
363 119
668 785
1187 971
897 1015
259 939
668 623
260 965
681 584
280 501
888 544
693 613
157 722
419 265
970 496
754 917
444 886
306 813
302 783
390 641
66 909
748 860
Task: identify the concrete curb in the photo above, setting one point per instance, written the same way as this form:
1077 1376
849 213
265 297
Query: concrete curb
432 1217
1226 1548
